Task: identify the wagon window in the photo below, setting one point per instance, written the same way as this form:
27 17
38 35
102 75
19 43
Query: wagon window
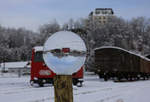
38 57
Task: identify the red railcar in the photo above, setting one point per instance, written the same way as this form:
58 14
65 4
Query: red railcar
41 74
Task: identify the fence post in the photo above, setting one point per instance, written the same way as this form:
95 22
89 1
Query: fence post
63 88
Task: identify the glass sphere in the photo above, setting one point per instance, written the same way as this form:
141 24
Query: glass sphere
64 52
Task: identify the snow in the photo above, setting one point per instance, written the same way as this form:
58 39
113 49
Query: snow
15 89
65 65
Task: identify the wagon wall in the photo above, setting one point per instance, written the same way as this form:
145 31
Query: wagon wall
114 59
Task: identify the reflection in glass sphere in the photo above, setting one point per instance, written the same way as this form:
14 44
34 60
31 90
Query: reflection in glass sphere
64 52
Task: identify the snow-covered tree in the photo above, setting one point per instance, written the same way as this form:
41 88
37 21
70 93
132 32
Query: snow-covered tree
48 29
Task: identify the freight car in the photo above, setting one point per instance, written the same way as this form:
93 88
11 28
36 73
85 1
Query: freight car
118 63
41 74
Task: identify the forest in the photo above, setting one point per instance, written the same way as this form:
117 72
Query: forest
133 35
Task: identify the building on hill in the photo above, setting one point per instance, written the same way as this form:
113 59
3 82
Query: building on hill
101 14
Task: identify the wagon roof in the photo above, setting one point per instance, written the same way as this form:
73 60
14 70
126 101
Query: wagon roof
114 47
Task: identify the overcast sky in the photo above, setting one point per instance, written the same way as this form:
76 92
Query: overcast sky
32 13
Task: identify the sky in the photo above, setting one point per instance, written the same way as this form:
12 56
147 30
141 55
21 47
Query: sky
30 14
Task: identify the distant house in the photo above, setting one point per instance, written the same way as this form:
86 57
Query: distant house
16 67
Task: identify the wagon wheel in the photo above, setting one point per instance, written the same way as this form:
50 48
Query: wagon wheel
31 83
79 84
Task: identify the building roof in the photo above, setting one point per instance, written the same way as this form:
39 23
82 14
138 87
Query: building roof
38 48
111 12
103 9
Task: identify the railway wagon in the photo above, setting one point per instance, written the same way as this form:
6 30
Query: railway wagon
41 74
115 62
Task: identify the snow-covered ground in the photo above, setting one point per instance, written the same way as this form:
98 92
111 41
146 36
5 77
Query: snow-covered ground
14 89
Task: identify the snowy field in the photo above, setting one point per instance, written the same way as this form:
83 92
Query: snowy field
14 89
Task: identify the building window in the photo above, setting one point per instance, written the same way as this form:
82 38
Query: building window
104 12
97 12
